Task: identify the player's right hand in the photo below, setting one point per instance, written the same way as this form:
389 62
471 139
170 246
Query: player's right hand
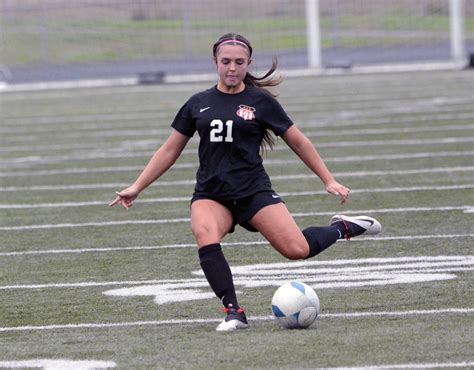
125 197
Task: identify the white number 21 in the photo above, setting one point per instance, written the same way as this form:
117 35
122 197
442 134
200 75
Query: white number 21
217 132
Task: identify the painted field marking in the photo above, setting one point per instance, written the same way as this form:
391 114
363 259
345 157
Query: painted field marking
236 244
283 194
186 220
94 224
332 274
356 116
392 130
279 162
110 131
344 273
381 120
426 112
58 364
388 210
274 178
337 144
403 108
324 122
348 315
443 365
153 144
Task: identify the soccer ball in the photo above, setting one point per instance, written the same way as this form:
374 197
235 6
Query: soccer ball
295 305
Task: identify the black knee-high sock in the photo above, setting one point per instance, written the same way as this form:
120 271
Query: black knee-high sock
218 274
320 238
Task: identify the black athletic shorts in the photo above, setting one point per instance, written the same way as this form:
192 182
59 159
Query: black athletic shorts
245 208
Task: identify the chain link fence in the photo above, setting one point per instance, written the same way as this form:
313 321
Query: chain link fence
69 39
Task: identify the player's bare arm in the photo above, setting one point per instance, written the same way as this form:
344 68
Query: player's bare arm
304 148
161 161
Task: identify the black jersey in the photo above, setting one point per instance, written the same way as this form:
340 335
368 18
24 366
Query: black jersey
231 128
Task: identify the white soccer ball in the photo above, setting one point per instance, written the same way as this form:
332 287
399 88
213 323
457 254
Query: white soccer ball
295 305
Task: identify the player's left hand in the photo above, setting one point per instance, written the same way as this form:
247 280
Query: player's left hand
125 197
338 189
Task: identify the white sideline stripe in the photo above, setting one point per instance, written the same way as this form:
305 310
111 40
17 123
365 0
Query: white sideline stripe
373 112
356 113
110 223
277 162
57 364
366 121
389 210
24 161
378 131
399 142
274 178
445 365
90 129
29 159
283 194
348 315
89 203
320 133
38 86
89 284
257 242
87 131
337 144
324 119
466 209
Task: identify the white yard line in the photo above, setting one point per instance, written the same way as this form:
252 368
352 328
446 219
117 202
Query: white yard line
235 244
276 162
274 178
153 144
466 209
95 224
392 130
283 194
336 144
57 364
348 315
355 112
444 365
358 111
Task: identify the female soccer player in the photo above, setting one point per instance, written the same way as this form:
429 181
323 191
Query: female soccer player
234 119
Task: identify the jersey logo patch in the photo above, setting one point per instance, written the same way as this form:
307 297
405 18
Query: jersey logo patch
246 112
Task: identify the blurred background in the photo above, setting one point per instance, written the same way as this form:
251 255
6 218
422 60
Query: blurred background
57 40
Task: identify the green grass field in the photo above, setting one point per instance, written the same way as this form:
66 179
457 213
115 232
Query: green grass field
83 282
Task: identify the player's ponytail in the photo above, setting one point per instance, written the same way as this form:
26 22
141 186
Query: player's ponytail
269 79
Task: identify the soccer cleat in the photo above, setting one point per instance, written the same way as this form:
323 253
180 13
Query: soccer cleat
234 320
355 226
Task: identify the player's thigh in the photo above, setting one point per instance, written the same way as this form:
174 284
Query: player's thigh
278 226
210 221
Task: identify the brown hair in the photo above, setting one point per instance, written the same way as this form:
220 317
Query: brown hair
263 82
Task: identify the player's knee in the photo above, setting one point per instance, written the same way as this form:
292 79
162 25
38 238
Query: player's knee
200 230
203 233
295 251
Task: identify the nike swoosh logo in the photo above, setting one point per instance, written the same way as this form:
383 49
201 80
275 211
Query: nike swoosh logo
204 109
369 221
275 196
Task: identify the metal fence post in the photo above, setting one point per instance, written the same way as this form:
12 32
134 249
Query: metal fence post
313 33
456 21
